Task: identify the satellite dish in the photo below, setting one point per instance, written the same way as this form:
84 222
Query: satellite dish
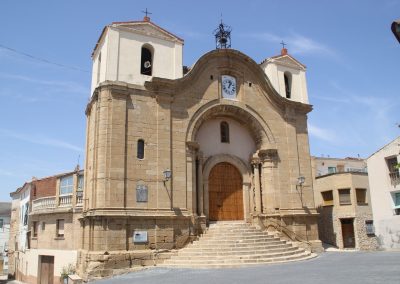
147 64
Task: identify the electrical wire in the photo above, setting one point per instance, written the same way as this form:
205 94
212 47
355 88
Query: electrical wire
42 59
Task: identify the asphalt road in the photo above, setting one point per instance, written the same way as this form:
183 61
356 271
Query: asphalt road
329 267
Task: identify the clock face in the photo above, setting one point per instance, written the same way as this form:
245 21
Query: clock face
228 87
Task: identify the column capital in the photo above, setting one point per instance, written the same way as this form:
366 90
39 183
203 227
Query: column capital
269 154
255 161
192 146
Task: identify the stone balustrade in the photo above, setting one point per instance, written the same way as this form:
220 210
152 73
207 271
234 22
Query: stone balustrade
44 203
65 200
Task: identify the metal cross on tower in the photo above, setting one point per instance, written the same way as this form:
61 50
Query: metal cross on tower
283 44
147 13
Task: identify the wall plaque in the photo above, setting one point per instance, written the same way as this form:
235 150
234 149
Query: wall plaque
140 236
141 193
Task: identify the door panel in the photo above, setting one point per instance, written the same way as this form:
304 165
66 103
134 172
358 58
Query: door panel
225 193
348 233
46 269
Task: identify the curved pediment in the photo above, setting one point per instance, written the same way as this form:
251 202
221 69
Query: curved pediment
227 61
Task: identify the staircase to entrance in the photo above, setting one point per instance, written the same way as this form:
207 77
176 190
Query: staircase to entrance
233 244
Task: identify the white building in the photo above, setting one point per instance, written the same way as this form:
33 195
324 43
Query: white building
384 181
5 215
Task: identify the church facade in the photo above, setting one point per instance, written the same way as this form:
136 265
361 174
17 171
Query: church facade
170 150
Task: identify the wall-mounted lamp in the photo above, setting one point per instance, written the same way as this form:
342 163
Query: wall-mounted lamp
167 175
301 180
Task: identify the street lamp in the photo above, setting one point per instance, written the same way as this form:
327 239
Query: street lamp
167 175
301 180
396 29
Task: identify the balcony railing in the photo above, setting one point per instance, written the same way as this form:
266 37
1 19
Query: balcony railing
44 203
394 178
79 200
51 202
65 200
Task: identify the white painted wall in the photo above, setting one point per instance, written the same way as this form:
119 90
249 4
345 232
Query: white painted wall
241 143
387 224
275 73
23 229
4 239
29 261
121 57
322 165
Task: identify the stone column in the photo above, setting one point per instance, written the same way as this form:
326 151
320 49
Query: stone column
200 187
191 182
257 185
268 158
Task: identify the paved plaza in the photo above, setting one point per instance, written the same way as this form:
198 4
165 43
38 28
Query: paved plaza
329 267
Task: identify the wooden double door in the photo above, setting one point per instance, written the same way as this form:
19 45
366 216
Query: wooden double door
225 191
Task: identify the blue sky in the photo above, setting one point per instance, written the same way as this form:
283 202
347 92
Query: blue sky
351 55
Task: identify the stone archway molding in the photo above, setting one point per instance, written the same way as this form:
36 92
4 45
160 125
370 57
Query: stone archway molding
239 111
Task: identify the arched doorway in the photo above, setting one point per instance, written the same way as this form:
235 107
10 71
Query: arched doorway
225 185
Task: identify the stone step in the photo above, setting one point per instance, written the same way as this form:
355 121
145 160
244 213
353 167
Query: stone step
242 242
235 235
248 251
227 264
253 255
238 247
236 243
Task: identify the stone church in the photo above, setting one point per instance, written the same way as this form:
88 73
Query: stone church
171 149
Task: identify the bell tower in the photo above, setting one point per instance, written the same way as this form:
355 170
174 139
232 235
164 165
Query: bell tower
136 51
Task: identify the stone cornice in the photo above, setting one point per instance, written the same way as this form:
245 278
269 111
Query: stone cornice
170 86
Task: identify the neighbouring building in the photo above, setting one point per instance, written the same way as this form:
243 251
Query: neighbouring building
47 231
5 216
167 152
342 197
384 181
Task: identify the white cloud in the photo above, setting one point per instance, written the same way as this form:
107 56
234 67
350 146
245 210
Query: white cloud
40 140
297 43
322 133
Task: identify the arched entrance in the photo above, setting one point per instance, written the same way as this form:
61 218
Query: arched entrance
225 185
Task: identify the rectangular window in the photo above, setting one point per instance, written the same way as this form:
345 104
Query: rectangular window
327 196
393 171
66 185
35 229
26 214
331 170
397 200
80 183
60 228
344 196
361 194
1 223
43 226
369 227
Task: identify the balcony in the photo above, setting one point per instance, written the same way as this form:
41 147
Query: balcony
54 202
394 178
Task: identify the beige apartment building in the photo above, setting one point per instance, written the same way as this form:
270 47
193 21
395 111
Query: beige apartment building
342 197
46 233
